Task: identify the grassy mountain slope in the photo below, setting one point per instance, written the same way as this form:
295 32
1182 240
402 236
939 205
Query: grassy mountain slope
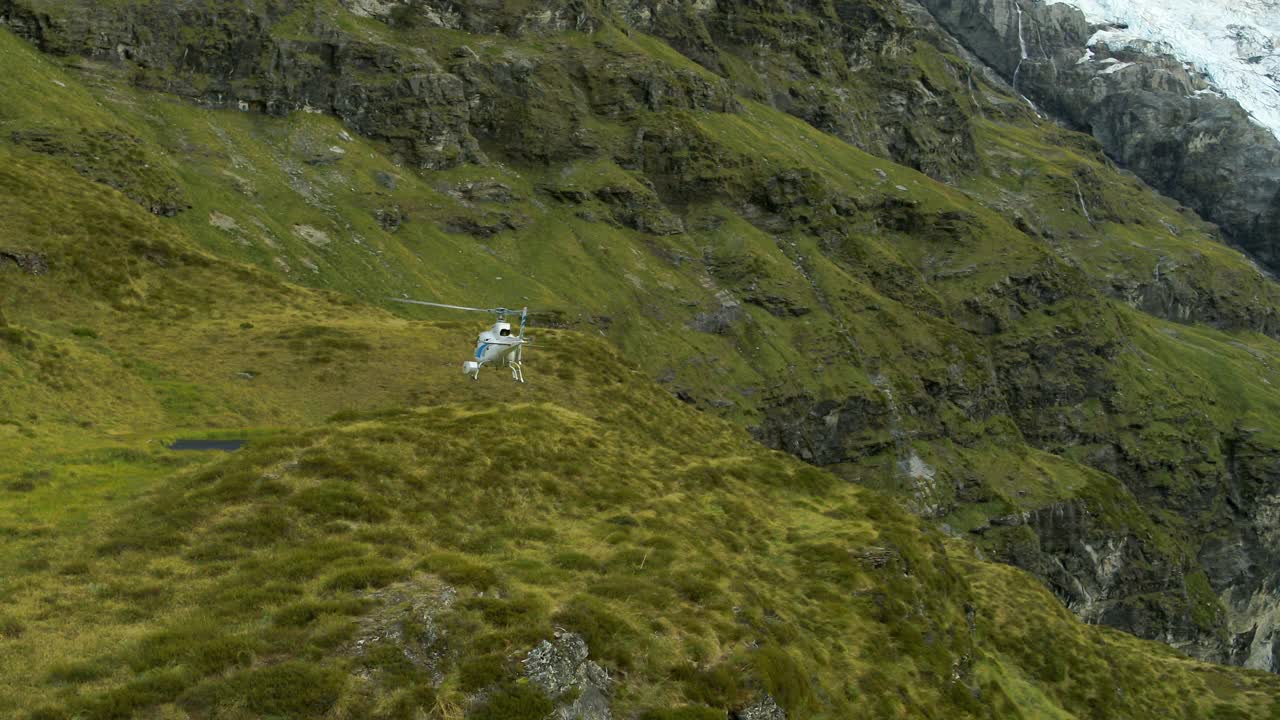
385 563
701 571
1040 339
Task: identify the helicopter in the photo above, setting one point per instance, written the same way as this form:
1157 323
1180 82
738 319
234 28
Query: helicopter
493 346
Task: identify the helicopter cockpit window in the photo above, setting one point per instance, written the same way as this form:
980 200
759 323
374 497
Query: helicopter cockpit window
504 332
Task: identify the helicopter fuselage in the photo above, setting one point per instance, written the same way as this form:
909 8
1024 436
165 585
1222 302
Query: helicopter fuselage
493 346
490 351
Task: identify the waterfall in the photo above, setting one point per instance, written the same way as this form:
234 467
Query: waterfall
1022 47
1022 50
1080 196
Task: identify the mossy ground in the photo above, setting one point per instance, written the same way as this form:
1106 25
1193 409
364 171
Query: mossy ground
702 569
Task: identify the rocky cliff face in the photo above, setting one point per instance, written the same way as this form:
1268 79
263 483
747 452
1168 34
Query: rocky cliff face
1152 113
227 56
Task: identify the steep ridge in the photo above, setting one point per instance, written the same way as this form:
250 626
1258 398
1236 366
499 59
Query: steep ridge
1154 113
1044 356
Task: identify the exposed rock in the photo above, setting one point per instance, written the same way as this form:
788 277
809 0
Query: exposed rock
640 211
766 708
1242 553
314 236
562 669
1095 569
825 432
390 218
244 186
537 18
485 191
386 180
632 205
923 482
844 68
324 156
723 318
373 8
407 616
485 225
1167 293
853 69
225 223
31 262
424 114
776 305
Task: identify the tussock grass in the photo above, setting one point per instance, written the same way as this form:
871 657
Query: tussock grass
703 570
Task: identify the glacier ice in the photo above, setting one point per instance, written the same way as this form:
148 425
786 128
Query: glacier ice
1236 43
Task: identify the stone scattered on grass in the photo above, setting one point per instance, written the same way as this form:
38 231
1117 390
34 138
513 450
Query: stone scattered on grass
31 262
225 223
766 708
561 669
407 616
314 236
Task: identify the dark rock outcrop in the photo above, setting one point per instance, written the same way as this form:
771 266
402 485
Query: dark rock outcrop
1240 553
1110 575
848 68
423 112
562 670
29 262
434 111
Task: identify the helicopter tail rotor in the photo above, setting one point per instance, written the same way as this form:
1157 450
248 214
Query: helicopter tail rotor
518 369
524 316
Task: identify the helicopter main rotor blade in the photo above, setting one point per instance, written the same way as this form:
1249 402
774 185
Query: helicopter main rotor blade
442 305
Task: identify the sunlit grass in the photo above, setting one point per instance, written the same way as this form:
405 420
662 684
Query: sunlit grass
703 570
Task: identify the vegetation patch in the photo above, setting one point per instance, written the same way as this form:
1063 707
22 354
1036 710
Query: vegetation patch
911 336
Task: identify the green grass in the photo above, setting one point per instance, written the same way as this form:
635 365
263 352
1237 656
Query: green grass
755 582
703 570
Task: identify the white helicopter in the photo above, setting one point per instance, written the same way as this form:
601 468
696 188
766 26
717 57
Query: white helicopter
493 346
